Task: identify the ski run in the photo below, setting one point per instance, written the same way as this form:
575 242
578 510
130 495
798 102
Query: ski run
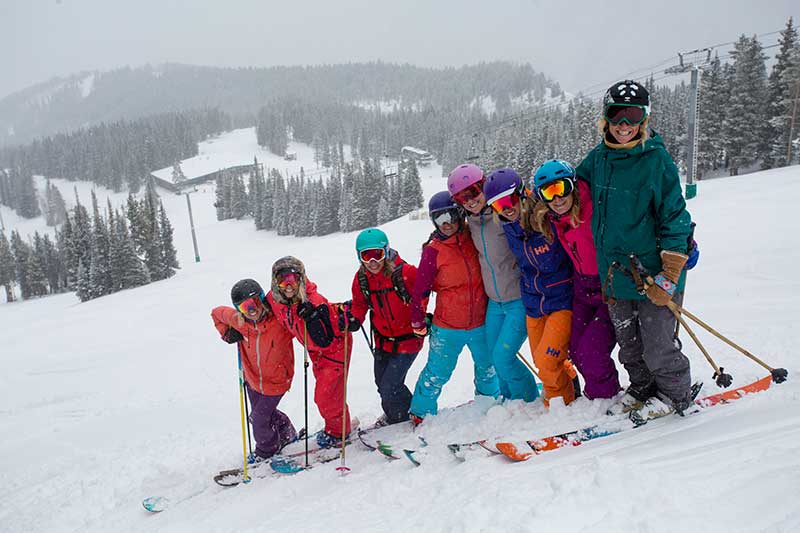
133 395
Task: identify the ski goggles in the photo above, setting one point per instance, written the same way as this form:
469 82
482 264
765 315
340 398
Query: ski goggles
509 201
559 188
250 305
289 279
446 216
632 114
372 254
470 193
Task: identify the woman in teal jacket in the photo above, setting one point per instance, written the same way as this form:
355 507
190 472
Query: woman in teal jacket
639 209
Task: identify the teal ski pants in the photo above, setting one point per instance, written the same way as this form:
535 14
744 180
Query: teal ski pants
505 333
445 345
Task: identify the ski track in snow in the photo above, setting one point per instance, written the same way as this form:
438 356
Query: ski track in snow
133 395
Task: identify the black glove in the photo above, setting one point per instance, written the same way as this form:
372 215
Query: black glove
305 310
232 336
346 319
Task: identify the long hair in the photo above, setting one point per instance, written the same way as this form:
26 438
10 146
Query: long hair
538 215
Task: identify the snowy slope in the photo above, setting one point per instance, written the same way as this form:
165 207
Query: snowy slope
132 395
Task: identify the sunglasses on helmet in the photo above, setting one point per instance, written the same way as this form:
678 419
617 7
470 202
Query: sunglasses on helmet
465 195
632 114
558 188
372 254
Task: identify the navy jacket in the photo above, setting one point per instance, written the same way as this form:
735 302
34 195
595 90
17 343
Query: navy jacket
546 271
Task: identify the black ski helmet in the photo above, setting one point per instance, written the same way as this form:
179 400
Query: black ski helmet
627 92
244 289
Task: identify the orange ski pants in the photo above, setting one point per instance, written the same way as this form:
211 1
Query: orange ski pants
548 336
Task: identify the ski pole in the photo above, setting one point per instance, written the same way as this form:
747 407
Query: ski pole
246 477
343 468
529 365
369 342
720 377
305 385
779 375
250 456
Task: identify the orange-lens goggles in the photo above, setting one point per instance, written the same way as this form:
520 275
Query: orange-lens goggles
249 306
290 279
372 254
506 202
558 188
465 195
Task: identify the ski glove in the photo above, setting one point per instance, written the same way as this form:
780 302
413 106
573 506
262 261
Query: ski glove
423 330
665 282
318 323
231 336
694 255
305 310
346 319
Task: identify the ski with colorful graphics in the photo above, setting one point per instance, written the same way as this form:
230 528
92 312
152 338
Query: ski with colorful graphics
578 437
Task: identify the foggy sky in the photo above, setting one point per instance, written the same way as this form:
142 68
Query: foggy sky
577 43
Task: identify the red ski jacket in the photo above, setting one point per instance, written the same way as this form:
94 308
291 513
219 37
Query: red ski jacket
267 351
450 267
389 316
321 336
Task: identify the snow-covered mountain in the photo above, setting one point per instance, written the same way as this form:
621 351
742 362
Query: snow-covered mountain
132 395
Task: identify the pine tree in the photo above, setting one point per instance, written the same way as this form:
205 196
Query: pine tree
27 200
170 255
781 89
56 209
37 277
713 99
746 118
411 192
7 267
239 206
177 172
100 282
280 207
129 271
21 252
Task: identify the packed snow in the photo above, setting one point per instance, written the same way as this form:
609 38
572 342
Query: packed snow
133 395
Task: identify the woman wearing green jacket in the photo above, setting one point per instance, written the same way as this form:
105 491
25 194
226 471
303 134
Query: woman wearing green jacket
639 209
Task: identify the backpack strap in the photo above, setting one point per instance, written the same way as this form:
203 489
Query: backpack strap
400 285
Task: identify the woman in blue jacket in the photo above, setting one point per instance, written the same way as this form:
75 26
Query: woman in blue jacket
546 282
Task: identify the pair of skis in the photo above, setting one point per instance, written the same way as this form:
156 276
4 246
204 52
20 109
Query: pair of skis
577 437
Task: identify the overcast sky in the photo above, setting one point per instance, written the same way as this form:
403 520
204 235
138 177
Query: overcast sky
578 43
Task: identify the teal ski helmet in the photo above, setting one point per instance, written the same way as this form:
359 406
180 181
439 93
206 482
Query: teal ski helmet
371 238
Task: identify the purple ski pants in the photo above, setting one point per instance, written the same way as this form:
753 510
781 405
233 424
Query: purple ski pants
592 339
271 427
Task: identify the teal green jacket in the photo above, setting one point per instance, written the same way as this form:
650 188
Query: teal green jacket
638 208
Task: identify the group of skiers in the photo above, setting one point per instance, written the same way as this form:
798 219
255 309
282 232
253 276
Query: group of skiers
562 264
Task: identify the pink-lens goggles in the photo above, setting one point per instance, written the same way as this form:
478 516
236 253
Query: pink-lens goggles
250 305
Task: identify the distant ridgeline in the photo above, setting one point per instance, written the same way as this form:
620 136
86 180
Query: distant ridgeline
89 98
118 154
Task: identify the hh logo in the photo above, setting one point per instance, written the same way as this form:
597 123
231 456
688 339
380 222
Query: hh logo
539 250
553 352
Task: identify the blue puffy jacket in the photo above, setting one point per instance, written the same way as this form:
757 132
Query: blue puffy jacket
546 269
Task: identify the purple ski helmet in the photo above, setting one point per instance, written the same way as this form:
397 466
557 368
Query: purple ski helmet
500 183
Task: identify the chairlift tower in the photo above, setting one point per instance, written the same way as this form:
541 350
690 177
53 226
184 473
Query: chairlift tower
694 114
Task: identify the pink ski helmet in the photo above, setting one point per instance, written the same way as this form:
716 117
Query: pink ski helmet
463 176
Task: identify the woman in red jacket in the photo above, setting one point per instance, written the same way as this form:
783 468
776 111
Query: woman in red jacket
267 359
449 266
314 323
381 286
